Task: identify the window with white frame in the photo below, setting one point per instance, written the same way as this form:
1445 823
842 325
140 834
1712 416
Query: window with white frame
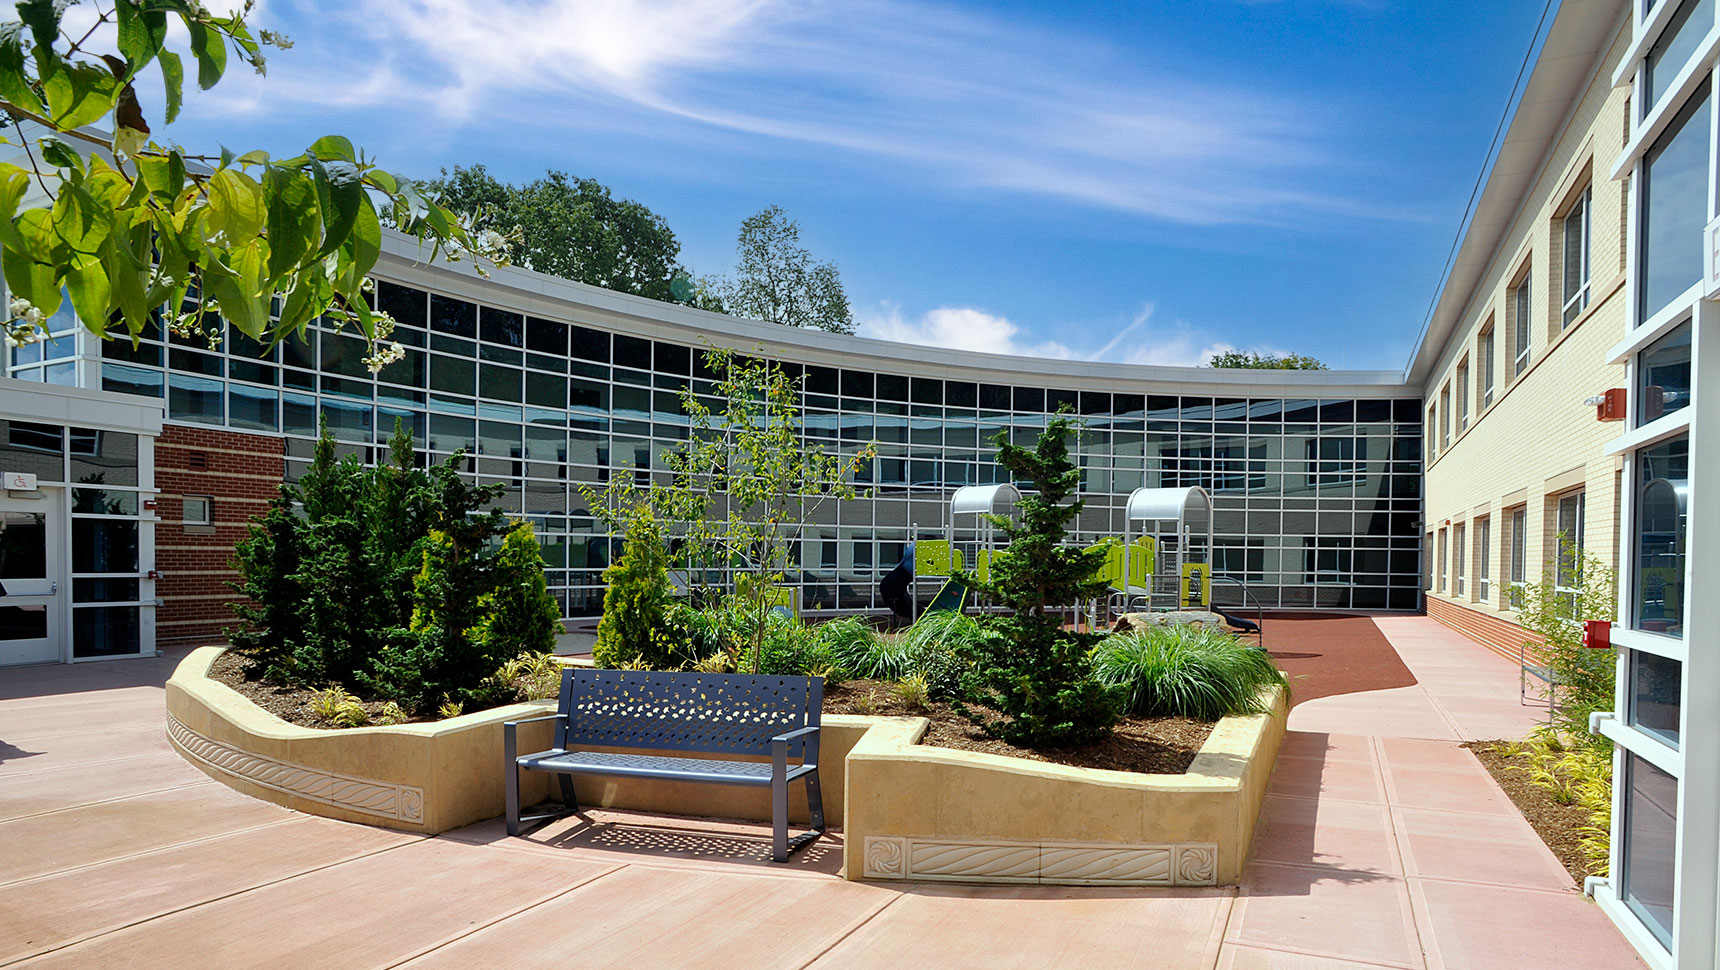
1484 558
1518 519
1463 395
1440 571
1520 311
1568 537
198 511
1457 536
1674 197
1575 243
1445 417
1486 366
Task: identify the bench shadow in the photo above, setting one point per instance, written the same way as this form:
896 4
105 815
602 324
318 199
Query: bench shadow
11 752
664 838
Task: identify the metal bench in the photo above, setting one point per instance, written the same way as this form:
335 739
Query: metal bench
711 714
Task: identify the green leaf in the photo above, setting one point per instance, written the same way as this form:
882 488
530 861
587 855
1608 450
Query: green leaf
127 260
60 155
36 228
211 53
334 148
339 193
43 19
173 77
383 181
92 295
14 83
165 176
236 284
361 250
235 206
81 221
79 93
141 34
293 219
305 301
32 280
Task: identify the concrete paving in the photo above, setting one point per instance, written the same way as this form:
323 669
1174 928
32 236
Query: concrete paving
1382 844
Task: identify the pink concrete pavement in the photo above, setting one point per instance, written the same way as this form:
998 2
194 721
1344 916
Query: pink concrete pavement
1380 845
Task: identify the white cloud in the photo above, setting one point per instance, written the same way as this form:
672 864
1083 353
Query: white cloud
1176 344
962 99
957 328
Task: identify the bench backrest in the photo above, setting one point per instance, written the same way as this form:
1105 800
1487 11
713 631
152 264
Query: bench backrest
715 713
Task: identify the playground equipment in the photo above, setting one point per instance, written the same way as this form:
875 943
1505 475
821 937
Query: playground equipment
978 501
1179 521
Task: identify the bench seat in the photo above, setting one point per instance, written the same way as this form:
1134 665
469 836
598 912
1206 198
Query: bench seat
657 766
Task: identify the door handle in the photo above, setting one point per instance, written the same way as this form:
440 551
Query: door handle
53 588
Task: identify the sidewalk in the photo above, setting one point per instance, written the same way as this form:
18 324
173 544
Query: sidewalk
1382 844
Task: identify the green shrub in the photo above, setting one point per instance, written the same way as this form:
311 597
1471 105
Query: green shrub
1183 672
1032 672
857 648
517 615
1582 679
638 600
788 647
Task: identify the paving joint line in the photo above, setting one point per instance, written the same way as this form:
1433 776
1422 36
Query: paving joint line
143 852
519 911
853 928
204 902
105 801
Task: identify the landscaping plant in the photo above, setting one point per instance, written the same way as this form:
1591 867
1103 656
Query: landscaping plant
393 581
1178 671
1029 670
1582 679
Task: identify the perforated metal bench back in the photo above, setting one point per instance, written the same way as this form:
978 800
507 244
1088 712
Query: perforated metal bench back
718 713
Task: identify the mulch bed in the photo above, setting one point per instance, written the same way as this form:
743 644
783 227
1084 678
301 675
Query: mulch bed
290 704
1556 824
1157 745
1324 654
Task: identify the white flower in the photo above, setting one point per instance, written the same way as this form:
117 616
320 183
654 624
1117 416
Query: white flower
385 354
34 317
18 307
368 285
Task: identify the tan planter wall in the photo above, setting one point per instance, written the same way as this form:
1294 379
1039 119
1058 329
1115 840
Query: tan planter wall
920 812
431 777
912 812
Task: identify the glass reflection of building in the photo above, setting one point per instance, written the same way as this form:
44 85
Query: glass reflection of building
1317 498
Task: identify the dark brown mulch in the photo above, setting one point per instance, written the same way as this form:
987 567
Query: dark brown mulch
1157 745
1556 824
290 704
1324 654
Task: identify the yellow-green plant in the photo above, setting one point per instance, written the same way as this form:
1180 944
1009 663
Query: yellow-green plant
1578 774
339 708
531 676
392 713
720 662
912 690
450 708
866 703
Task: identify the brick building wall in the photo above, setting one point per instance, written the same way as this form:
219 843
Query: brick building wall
1536 440
241 473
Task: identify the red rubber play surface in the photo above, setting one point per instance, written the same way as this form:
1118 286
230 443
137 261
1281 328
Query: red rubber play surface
1324 655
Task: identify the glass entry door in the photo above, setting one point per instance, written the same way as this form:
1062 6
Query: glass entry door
32 564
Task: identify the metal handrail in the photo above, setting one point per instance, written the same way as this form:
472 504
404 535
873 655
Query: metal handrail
1248 594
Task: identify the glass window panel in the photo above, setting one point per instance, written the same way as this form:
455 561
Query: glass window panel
408 371
252 408
23 622
119 348
856 384
546 336
453 375
105 631
106 590
451 316
104 546
1672 51
405 304
634 352
23 545
1656 683
546 390
1649 853
101 501
103 457
1674 207
499 383
298 414
349 422
449 433
501 327
1663 375
194 399
592 345
1663 486
892 387
131 380
343 355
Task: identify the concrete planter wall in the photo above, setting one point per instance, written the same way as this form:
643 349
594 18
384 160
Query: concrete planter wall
926 813
432 777
908 811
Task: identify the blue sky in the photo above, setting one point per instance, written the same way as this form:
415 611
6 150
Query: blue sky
1131 181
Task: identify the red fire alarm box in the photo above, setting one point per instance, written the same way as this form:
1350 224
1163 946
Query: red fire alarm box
1597 634
1611 406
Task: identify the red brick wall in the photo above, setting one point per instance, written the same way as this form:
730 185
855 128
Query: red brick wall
1501 636
242 473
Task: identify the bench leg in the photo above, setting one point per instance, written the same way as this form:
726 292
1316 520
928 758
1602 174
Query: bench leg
815 803
568 798
779 818
513 798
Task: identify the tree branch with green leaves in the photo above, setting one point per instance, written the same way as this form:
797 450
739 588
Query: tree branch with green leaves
129 227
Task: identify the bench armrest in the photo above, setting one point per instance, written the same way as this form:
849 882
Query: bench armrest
510 745
779 748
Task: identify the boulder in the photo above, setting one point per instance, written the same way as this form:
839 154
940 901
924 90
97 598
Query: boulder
1199 619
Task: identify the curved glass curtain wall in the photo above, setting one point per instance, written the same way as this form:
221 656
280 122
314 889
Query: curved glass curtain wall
1318 501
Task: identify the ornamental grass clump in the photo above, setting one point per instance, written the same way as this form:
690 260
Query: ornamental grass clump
1178 671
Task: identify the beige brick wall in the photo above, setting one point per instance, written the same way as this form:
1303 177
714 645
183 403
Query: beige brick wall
1538 439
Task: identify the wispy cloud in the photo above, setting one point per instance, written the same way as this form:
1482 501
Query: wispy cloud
1142 341
946 96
